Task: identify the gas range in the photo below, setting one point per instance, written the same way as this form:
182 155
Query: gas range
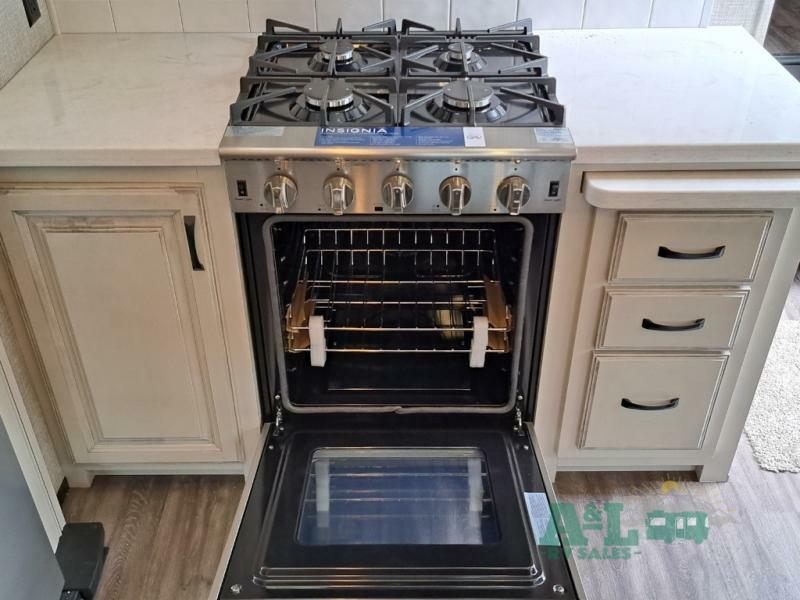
397 195
397 120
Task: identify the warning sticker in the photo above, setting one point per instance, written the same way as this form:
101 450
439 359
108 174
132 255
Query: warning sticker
544 528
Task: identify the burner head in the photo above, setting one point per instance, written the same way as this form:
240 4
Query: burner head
456 55
454 104
341 105
340 50
455 51
457 94
339 53
340 94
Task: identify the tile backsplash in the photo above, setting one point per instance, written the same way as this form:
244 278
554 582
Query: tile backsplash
18 41
79 16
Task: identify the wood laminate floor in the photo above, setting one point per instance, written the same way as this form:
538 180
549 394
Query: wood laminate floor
783 36
753 545
165 533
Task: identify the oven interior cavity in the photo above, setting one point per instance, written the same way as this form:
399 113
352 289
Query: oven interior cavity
400 313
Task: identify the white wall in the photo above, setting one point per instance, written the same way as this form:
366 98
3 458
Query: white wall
753 15
77 16
18 41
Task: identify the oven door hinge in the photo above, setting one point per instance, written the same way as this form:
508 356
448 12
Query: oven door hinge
518 424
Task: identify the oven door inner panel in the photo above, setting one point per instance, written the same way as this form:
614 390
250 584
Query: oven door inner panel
415 508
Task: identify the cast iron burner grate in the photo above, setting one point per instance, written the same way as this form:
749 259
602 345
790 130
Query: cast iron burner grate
318 101
380 76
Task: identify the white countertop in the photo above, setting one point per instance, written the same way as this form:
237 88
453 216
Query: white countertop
678 96
649 97
123 100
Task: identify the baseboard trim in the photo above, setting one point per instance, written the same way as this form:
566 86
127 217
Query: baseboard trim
164 469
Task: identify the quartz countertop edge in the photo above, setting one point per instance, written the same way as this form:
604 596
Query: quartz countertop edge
666 98
111 157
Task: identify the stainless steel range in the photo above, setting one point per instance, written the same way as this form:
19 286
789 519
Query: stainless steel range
397 195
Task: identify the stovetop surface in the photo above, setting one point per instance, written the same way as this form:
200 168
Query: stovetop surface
385 76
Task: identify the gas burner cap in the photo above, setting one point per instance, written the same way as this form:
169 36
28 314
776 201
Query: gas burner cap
341 49
459 56
457 94
340 94
455 52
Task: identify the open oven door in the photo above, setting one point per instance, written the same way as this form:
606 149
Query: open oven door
426 511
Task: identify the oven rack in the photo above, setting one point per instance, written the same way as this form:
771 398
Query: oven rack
409 290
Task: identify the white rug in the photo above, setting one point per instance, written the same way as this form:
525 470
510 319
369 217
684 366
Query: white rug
773 425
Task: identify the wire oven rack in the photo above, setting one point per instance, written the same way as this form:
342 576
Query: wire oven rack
398 289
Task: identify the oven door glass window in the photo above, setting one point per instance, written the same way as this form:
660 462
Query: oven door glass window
382 506
398 496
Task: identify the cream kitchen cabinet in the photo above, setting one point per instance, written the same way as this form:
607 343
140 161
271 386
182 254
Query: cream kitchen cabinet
684 278
119 286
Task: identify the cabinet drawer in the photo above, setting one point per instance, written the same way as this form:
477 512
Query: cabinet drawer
650 402
670 319
719 247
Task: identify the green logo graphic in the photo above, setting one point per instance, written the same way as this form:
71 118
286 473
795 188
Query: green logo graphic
569 527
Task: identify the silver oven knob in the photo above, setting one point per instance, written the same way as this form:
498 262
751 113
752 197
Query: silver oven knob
455 193
281 192
339 193
514 193
398 192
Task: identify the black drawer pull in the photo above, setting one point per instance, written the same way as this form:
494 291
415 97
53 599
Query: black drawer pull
633 406
653 326
665 252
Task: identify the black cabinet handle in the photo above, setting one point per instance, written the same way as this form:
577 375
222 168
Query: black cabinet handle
188 224
633 406
665 252
653 326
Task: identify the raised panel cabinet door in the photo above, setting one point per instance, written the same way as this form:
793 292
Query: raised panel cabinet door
119 290
650 402
688 247
670 318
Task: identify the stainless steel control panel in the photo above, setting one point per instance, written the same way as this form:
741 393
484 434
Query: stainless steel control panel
363 186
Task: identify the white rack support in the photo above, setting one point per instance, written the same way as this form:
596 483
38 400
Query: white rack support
480 341
316 335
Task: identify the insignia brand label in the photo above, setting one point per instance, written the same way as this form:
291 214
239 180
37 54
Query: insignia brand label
552 135
401 136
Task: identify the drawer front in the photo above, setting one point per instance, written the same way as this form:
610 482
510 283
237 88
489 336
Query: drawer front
670 319
688 247
650 402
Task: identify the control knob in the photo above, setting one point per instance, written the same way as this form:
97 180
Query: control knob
280 191
398 192
455 193
514 193
339 193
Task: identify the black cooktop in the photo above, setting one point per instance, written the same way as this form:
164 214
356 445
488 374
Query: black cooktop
382 76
